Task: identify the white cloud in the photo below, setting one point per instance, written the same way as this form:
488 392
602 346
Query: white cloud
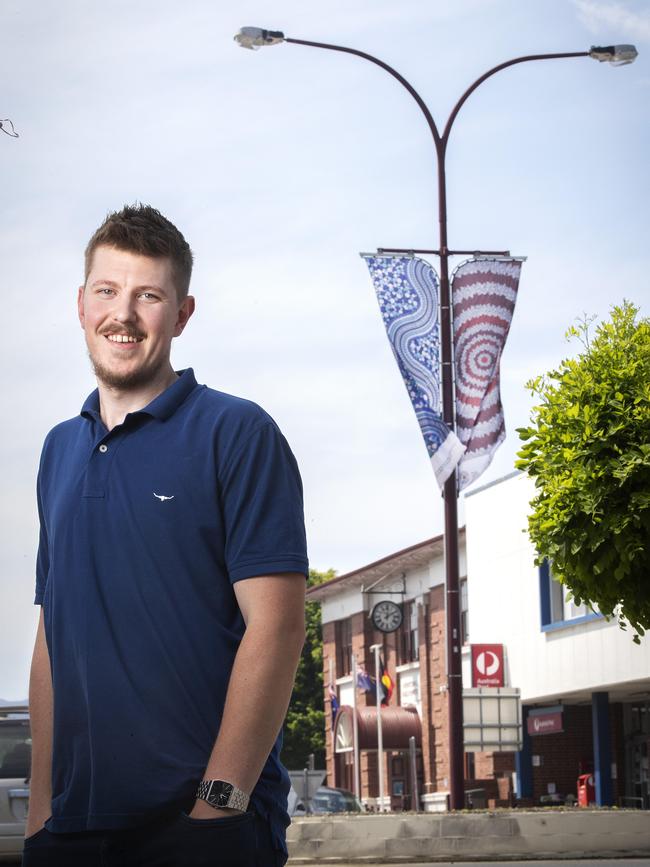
629 22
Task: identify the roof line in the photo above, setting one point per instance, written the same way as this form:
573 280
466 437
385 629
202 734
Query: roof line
498 481
379 562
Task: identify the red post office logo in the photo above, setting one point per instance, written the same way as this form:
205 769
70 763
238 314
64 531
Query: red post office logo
487 665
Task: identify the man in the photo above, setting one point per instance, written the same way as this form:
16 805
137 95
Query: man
170 576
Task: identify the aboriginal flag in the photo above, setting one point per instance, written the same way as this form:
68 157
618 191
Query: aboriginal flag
387 682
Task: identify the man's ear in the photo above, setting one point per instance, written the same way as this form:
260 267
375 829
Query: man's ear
80 306
184 312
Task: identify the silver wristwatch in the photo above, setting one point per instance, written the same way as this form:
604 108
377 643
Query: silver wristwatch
219 793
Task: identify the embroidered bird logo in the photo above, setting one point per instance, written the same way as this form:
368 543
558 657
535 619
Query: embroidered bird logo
162 497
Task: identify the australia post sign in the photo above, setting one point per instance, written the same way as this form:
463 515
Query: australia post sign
545 720
487 665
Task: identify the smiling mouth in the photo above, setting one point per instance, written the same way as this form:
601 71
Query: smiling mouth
123 338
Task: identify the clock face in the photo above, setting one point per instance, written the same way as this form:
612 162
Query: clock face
387 616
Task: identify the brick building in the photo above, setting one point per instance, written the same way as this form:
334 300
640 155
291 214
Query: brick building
415 656
585 687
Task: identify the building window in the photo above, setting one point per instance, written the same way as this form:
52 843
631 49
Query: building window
409 688
550 596
343 638
555 607
464 612
408 636
571 610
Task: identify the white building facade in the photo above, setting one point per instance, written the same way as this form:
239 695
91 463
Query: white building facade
583 680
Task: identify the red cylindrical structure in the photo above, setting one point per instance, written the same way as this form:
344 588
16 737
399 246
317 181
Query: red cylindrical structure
398 725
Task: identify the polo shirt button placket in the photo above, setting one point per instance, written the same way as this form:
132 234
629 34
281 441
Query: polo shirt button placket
98 469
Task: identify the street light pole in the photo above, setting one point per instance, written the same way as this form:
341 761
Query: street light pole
254 37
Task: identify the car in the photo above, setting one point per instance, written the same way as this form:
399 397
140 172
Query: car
327 799
15 762
295 806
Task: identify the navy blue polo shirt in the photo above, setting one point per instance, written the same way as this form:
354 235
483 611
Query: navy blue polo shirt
144 530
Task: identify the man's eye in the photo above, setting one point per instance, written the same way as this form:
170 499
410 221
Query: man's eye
105 290
149 296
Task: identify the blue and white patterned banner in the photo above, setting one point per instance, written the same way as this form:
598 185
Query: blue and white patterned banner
407 291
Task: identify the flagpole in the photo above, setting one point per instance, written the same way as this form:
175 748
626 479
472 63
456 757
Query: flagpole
355 729
380 732
332 690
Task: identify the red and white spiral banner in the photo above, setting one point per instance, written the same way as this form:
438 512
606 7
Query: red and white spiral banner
484 292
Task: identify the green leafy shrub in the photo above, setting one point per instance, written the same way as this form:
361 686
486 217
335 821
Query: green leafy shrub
588 450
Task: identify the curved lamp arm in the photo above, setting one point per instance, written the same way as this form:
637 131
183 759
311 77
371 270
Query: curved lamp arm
416 96
256 37
490 72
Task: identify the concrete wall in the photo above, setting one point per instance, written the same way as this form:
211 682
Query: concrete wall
504 835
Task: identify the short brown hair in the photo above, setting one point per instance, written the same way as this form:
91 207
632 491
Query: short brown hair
142 229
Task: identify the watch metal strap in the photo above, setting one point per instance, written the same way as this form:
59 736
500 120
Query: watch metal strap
219 793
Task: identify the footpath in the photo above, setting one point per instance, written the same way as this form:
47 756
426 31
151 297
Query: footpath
504 835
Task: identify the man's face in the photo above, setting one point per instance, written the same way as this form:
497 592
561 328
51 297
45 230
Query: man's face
130 311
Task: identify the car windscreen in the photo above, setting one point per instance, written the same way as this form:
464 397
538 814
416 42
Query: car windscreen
352 805
15 749
335 802
325 804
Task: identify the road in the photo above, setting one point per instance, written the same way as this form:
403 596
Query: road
601 862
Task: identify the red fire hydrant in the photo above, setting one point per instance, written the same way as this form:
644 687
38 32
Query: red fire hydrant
586 790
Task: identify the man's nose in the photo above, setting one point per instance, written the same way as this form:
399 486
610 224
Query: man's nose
124 309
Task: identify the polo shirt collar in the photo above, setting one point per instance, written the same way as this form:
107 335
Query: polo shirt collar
161 407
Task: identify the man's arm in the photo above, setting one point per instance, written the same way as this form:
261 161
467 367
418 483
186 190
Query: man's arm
40 713
273 607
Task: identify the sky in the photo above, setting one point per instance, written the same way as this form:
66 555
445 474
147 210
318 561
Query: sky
280 166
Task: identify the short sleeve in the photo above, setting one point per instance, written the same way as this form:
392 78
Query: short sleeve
261 497
43 556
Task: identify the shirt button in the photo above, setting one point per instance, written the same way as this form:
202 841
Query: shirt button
103 448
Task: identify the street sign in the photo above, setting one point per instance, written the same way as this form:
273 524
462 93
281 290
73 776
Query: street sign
487 665
545 720
492 720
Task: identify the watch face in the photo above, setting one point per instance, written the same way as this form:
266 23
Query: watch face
220 795
387 616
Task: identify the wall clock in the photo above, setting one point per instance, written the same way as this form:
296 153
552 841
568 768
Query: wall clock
386 616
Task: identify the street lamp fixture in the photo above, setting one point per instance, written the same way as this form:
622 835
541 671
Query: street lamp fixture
256 37
617 55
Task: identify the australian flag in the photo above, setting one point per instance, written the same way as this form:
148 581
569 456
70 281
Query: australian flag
334 703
